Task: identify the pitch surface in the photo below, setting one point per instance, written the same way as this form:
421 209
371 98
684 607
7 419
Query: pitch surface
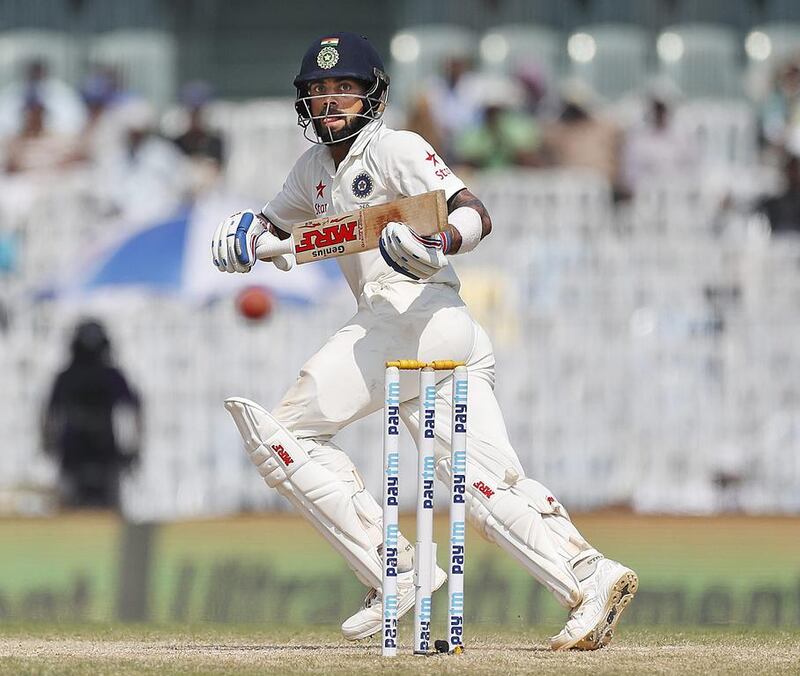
140 651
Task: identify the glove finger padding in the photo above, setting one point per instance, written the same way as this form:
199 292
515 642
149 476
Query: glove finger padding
219 247
215 249
421 256
391 257
412 255
230 243
243 233
230 246
427 255
233 248
410 261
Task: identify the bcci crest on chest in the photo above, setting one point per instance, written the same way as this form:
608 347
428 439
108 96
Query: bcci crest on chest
363 185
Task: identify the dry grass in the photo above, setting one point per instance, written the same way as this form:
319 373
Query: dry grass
140 651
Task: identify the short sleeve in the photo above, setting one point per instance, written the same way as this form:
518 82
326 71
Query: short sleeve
413 167
291 205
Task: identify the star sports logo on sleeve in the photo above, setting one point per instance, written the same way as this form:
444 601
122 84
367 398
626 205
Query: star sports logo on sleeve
442 172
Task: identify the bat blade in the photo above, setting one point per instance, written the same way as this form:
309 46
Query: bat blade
360 230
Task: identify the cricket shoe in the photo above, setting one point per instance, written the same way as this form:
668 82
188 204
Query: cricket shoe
369 619
606 594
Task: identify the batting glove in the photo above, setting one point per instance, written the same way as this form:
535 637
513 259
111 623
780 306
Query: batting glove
242 239
411 254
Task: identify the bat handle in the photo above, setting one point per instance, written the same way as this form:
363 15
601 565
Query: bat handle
283 262
281 253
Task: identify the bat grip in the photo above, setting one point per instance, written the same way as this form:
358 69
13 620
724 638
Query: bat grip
283 262
277 248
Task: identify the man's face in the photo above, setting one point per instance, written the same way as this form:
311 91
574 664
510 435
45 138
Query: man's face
334 103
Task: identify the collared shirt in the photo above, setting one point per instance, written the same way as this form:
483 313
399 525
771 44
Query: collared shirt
382 165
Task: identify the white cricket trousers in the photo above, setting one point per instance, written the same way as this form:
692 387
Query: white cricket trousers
344 380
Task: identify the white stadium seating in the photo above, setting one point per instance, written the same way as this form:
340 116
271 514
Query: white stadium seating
619 58
146 60
61 51
639 355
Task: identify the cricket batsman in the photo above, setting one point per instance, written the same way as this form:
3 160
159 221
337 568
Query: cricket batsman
408 307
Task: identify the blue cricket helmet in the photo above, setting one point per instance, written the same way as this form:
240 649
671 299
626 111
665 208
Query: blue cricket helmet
340 55
343 54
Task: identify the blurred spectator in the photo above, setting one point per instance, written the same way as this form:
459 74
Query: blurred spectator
198 140
203 146
147 176
109 80
782 211
533 80
579 137
507 136
102 134
66 113
780 113
92 422
36 147
656 148
448 106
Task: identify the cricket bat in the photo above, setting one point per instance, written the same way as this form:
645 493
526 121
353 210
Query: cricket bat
356 231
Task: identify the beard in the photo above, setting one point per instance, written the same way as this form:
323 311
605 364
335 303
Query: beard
353 125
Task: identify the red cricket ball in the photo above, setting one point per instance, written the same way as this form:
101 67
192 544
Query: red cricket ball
255 303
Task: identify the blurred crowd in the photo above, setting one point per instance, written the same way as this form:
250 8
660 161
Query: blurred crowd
109 140
491 121
138 163
142 163
48 127
477 120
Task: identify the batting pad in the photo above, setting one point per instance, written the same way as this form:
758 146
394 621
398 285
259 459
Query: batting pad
524 519
317 493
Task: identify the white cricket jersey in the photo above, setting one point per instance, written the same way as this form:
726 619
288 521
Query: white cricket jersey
383 165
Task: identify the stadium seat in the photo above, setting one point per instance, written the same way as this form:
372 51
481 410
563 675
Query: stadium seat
145 59
418 54
60 51
644 13
734 13
783 40
703 59
613 59
481 13
781 10
557 203
511 47
724 130
607 352
767 46
253 130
